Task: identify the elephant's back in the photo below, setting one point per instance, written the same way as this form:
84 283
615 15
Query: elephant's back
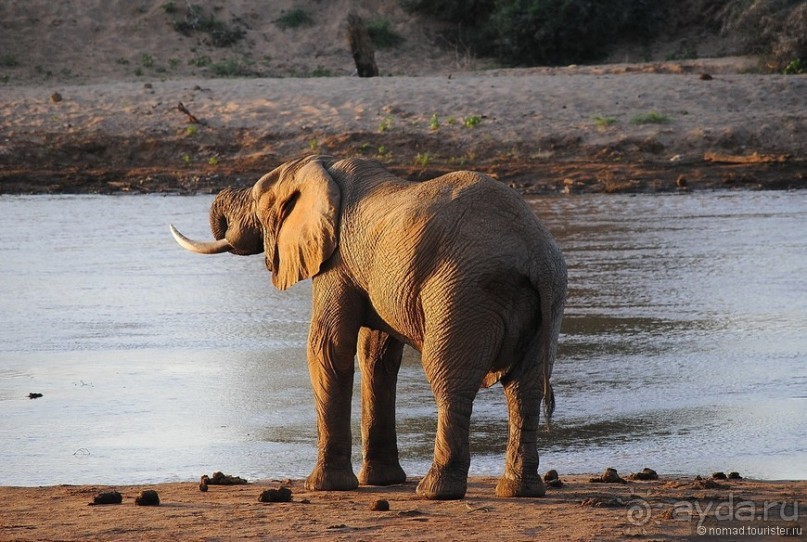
473 206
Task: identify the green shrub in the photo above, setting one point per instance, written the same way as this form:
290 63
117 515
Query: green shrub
294 18
382 35
602 122
776 29
196 20
467 12
231 68
651 117
321 71
535 32
794 67
472 121
559 32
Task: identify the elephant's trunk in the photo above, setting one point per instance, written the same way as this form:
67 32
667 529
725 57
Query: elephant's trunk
201 247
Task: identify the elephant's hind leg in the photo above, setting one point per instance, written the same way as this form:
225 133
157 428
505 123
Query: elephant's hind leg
455 369
521 478
379 360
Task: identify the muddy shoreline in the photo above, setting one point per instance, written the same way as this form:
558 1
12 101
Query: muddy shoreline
103 165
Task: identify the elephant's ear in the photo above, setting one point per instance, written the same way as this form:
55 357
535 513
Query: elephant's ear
307 206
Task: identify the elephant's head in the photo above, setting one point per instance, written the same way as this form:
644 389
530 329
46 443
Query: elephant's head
291 214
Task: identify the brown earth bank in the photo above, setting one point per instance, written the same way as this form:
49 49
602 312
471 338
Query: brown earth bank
670 508
616 128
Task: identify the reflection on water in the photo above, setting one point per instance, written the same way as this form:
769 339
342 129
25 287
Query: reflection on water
683 348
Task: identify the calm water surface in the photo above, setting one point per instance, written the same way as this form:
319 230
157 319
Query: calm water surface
684 347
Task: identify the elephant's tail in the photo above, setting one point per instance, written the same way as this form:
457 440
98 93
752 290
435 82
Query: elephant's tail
550 282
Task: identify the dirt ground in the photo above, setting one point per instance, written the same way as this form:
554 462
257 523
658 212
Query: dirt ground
622 128
90 92
666 509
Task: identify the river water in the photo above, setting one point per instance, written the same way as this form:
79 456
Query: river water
684 348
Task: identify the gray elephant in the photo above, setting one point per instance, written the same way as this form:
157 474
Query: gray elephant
458 267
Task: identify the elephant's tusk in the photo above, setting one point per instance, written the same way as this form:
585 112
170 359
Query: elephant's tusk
199 247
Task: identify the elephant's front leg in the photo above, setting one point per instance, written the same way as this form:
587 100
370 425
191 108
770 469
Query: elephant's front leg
331 350
379 360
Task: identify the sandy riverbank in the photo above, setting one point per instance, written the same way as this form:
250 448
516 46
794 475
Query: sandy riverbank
666 509
615 128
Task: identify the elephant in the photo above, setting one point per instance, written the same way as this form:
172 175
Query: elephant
458 267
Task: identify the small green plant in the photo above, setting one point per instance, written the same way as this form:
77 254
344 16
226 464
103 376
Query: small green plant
294 18
382 152
651 117
138 71
213 161
602 122
385 124
170 8
313 145
451 121
192 130
321 71
147 60
122 61
174 63
795 67
201 61
423 159
434 122
472 121
382 36
231 68
186 160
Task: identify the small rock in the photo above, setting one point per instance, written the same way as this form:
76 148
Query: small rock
706 77
381 505
610 476
221 479
56 97
645 474
551 479
681 182
148 497
281 494
148 86
107 497
719 476
34 395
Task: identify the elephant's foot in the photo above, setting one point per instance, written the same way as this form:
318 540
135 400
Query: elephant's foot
331 479
442 486
532 486
376 473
